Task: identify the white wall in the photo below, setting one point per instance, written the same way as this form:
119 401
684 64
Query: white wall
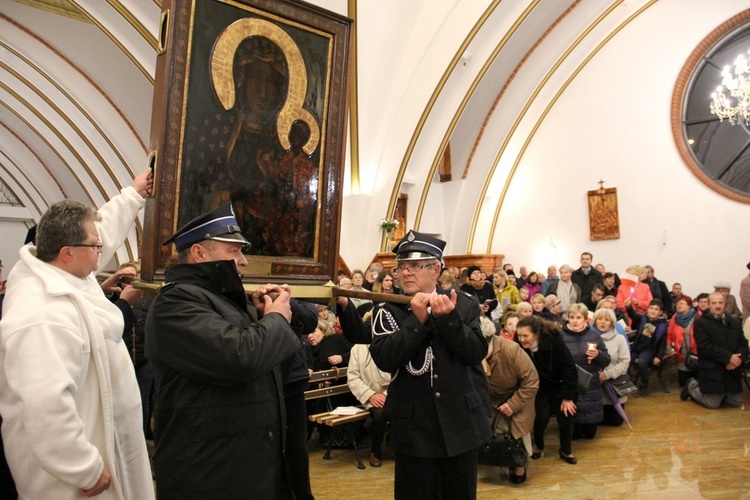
613 123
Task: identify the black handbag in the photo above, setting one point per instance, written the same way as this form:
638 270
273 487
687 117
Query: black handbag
503 450
623 385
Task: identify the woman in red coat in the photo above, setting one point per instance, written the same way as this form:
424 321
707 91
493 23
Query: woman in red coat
633 291
680 338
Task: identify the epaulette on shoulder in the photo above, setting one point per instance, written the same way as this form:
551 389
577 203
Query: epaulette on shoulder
466 294
166 286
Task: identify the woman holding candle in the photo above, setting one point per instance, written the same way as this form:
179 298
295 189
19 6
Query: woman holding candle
590 353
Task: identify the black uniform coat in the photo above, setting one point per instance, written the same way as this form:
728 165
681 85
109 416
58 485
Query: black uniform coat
218 402
443 412
717 340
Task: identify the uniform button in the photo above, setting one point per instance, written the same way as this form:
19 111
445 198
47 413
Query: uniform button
435 376
437 394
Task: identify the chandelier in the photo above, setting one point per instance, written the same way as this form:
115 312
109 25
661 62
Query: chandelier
736 106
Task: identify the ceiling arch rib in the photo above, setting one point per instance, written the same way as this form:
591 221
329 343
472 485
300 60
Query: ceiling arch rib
18 183
431 104
31 166
76 118
493 174
122 33
526 136
467 96
65 120
56 131
99 109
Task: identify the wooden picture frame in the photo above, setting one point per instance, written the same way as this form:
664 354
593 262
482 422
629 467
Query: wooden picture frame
604 218
250 109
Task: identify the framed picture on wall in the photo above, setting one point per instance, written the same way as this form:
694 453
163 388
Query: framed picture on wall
249 109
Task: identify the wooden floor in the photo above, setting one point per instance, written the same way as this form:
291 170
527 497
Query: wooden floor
677 450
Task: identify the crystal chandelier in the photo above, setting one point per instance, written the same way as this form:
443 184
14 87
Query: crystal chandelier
739 93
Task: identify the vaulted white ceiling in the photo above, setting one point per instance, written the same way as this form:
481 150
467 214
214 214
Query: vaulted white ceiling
76 84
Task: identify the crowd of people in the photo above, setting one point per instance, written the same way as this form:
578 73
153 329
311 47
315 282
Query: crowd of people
468 356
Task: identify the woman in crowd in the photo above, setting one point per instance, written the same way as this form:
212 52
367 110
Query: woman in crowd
537 304
650 341
523 293
633 292
680 340
514 383
552 306
368 384
447 281
358 278
384 283
481 289
558 377
567 292
610 302
619 355
509 327
532 284
701 303
590 353
329 348
524 310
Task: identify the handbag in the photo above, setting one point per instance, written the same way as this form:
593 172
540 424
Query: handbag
503 450
623 385
584 380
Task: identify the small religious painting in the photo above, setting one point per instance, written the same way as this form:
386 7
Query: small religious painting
604 220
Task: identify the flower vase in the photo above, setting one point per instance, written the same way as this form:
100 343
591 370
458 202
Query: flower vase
388 245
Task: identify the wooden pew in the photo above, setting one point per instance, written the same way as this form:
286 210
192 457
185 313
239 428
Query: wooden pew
329 418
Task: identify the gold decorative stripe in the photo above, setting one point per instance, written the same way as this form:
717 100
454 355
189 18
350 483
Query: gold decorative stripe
524 110
510 80
41 162
36 113
80 72
74 102
59 7
38 209
430 104
465 102
67 144
134 22
43 96
551 104
353 99
116 41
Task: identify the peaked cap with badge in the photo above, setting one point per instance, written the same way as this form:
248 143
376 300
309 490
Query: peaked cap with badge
219 225
418 246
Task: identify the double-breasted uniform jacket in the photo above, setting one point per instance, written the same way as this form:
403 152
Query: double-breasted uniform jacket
219 406
439 409
718 339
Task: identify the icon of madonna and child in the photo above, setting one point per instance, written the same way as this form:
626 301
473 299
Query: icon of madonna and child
262 153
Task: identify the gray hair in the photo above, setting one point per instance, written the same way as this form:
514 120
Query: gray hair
609 313
566 267
61 225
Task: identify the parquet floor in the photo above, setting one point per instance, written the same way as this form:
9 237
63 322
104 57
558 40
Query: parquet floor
676 450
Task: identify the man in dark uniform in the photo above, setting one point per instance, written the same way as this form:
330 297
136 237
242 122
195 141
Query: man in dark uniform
218 402
432 347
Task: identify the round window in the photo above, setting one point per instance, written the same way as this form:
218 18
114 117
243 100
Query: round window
716 151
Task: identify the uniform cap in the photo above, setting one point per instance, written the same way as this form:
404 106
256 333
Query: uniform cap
218 225
418 246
